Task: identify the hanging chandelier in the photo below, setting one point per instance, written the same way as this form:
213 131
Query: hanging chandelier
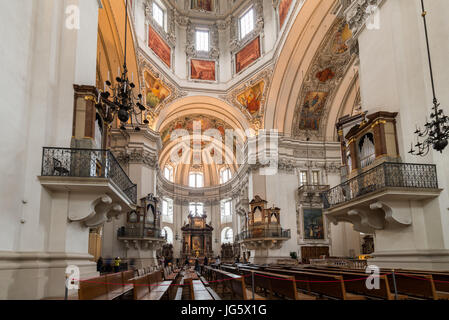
120 100
436 131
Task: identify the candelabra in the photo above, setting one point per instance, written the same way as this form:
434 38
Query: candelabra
436 131
120 100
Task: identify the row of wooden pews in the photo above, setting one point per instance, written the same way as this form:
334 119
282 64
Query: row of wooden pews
193 286
310 284
152 287
410 284
107 287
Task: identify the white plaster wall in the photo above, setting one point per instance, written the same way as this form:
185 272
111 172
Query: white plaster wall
42 61
394 76
281 192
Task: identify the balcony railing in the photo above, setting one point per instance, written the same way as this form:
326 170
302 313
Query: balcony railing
139 233
385 175
87 163
264 233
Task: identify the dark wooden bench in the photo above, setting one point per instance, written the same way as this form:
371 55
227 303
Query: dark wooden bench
353 285
325 285
117 285
276 285
151 287
409 283
235 283
106 287
158 287
93 289
197 290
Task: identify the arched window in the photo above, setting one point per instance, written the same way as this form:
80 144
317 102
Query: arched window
167 210
367 150
226 211
168 172
227 235
196 208
196 180
225 175
167 233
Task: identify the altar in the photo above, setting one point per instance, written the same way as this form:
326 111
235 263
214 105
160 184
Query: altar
196 238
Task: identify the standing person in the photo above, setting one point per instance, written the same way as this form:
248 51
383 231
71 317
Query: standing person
218 260
117 262
206 261
197 265
186 263
100 264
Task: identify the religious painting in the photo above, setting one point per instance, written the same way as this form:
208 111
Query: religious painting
196 243
312 111
284 6
325 75
341 37
205 5
202 70
251 98
246 56
313 224
155 91
159 47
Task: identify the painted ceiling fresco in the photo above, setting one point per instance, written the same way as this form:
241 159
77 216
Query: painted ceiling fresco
251 98
318 90
312 110
187 123
155 91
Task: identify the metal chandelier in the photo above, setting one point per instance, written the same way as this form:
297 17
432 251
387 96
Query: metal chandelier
436 131
119 99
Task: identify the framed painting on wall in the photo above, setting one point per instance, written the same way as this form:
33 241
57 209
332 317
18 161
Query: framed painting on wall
204 5
249 54
284 7
202 70
313 224
159 47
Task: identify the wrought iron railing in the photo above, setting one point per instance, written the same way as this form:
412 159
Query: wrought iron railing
263 233
87 163
139 233
385 175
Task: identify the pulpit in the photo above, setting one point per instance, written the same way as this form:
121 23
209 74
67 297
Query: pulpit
196 238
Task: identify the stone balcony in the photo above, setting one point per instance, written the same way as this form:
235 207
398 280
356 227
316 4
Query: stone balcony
95 186
375 198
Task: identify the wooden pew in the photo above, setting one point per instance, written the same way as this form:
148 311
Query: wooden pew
277 285
326 285
150 287
359 286
411 284
116 285
93 289
236 284
440 280
197 290
141 288
158 287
